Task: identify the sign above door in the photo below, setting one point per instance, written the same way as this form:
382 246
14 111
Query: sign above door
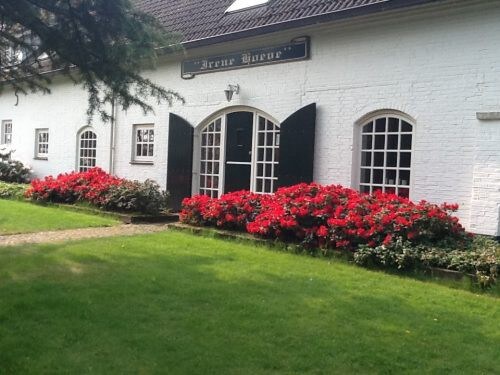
297 49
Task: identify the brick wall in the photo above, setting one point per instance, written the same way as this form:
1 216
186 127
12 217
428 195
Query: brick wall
438 68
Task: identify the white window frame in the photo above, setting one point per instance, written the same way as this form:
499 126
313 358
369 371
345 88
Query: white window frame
402 183
148 143
86 151
40 151
199 174
265 151
6 135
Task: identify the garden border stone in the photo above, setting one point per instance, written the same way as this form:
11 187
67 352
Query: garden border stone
441 273
126 218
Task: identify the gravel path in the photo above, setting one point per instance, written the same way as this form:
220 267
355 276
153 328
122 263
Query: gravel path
77 234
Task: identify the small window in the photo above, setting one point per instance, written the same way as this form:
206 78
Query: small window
42 143
6 132
238 5
386 154
144 139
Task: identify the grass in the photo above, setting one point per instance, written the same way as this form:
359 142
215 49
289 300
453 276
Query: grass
23 217
181 304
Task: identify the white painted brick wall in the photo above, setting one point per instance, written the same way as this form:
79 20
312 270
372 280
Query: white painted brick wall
439 68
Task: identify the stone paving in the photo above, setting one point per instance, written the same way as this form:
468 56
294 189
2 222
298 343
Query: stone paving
77 234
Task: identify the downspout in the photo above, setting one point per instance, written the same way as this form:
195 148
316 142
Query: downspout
112 138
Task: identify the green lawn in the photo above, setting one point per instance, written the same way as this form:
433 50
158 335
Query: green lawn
180 304
23 217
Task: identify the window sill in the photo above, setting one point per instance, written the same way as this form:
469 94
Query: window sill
40 158
139 162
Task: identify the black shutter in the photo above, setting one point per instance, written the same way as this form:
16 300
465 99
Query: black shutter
180 160
297 147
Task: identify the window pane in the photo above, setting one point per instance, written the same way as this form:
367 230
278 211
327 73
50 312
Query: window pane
404 192
392 159
378 159
392 142
267 186
259 185
368 128
262 123
393 125
366 142
405 160
269 154
260 169
269 139
269 170
378 176
406 142
404 178
405 127
364 189
390 177
365 176
366 159
380 125
379 142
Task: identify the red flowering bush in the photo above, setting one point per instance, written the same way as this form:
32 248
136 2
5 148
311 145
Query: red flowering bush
101 189
328 217
231 211
88 186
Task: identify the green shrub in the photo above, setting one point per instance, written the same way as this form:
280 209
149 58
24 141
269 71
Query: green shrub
481 258
12 191
14 171
134 196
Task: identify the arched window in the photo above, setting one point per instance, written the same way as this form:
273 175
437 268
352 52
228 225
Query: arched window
239 150
87 150
386 154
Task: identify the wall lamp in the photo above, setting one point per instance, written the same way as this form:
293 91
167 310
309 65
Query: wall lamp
231 89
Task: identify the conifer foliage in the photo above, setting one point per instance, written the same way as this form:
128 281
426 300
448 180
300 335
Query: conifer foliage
102 44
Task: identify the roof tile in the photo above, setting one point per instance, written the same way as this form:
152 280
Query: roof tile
199 19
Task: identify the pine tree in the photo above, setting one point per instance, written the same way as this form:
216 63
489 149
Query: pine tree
104 45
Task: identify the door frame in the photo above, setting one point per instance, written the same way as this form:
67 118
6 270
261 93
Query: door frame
222 114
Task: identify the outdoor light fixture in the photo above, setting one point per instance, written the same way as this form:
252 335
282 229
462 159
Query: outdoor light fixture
231 89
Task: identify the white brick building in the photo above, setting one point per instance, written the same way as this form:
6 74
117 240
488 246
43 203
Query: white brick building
429 71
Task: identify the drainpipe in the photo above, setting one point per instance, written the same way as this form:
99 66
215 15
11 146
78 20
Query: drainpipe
112 138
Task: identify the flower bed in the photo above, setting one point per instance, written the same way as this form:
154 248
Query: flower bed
100 189
335 217
328 217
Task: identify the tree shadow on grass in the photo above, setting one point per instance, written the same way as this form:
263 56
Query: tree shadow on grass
193 309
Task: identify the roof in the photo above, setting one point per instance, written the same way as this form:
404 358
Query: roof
205 21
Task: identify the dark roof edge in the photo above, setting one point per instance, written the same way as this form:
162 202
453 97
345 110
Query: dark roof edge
307 21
